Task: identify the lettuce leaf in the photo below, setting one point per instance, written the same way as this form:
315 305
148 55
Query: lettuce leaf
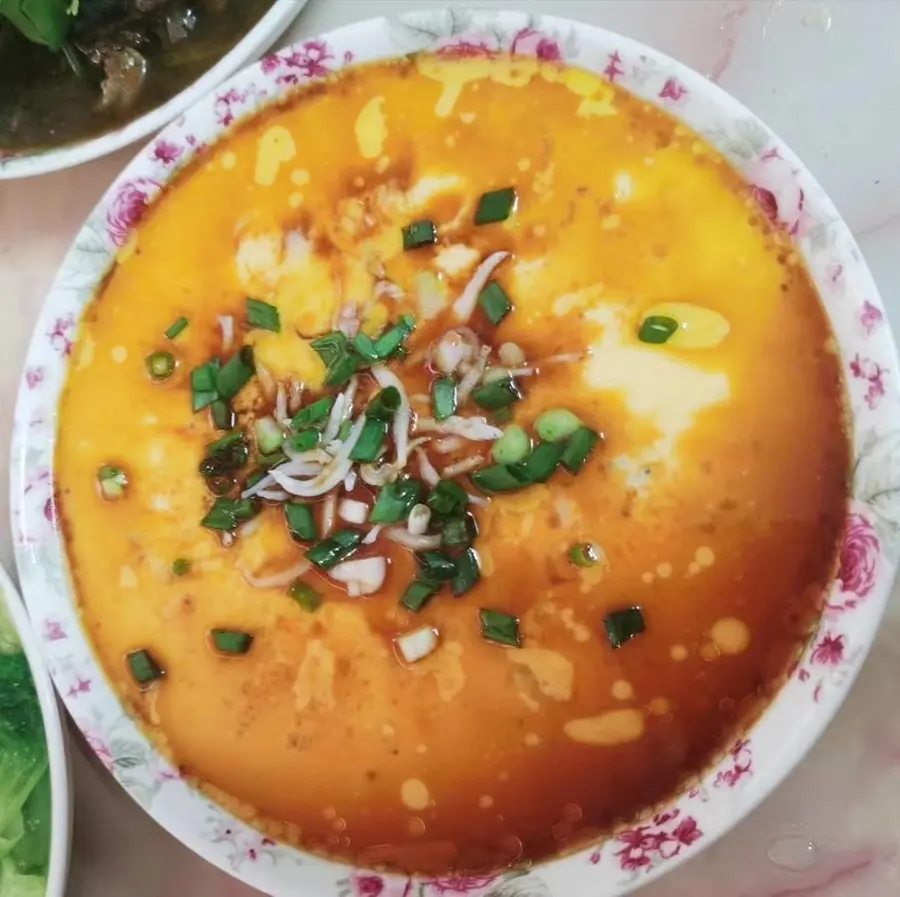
42 21
14 884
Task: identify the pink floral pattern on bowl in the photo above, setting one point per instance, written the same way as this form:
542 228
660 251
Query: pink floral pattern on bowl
783 190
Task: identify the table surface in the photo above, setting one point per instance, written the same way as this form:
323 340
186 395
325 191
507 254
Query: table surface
824 75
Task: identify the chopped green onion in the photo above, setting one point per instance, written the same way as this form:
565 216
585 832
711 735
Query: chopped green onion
181 567
220 484
459 532
556 424
112 482
502 416
467 573
305 441
499 627
161 365
580 445
255 476
176 328
223 416
513 446
305 595
395 501
435 565
344 430
443 398
365 346
235 374
418 593
229 453
227 513
263 316
448 498
584 554
497 394
384 406
657 329
144 668
341 363
623 625
496 205
314 413
494 302
387 344
368 446
539 466
500 478
300 521
203 385
419 233
338 548
269 461
269 436
231 641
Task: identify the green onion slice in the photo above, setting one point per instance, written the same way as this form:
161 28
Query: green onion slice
467 573
384 406
181 567
497 394
443 398
499 627
305 595
584 554
418 593
657 329
395 501
496 205
494 302
459 532
365 346
578 449
392 340
556 424
435 565
160 365
623 625
144 668
419 233
235 374
500 478
305 440
231 641
301 521
313 414
203 385
448 498
540 465
227 454
329 552
263 316
223 416
340 361
112 481
371 440
513 446
176 327
227 514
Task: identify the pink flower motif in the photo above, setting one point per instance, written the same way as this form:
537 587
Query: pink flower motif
687 831
742 765
462 884
166 152
778 193
803 675
50 510
673 89
870 317
859 557
34 377
102 751
829 650
594 858
80 687
368 885
614 68
59 335
348 57
465 49
765 199
128 206
224 107
53 631
530 42
873 373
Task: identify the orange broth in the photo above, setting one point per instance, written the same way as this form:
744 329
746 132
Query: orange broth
716 503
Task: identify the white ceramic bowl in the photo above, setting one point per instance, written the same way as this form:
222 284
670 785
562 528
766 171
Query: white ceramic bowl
55 734
748 769
266 31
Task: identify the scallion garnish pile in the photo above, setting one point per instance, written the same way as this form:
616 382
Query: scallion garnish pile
351 467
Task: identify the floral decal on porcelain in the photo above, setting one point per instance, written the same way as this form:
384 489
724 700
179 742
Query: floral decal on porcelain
778 187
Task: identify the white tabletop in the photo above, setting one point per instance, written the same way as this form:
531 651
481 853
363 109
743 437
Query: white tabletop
826 77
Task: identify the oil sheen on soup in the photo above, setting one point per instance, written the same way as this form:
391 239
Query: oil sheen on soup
452 463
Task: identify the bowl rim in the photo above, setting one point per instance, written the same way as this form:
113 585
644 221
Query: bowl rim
257 40
782 187
55 737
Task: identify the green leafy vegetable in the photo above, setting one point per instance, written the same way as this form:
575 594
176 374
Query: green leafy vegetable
263 316
41 21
